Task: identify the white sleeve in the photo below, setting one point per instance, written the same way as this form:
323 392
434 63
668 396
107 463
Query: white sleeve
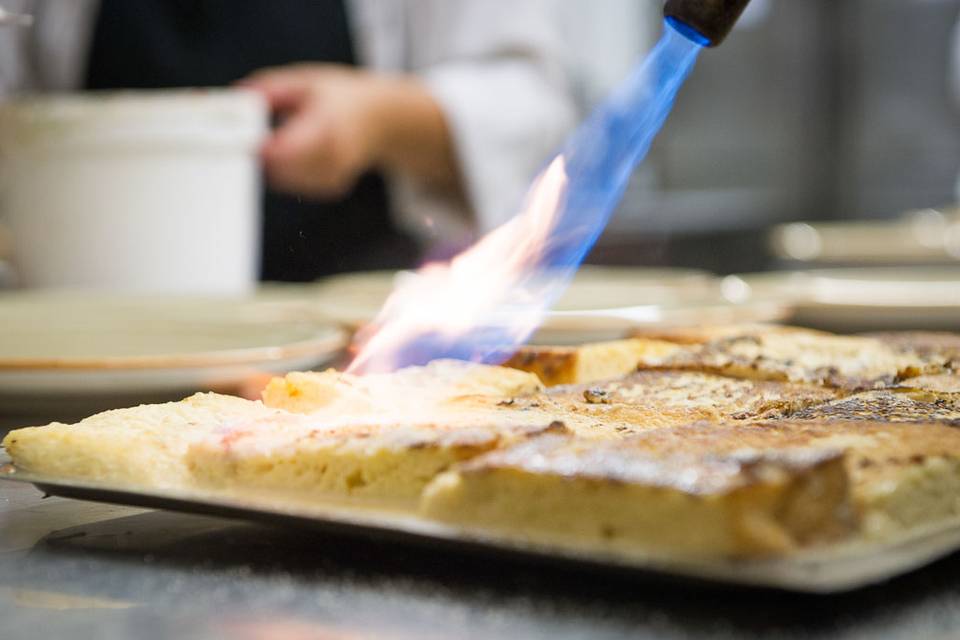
50 55
15 53
496 69
954 81
955 63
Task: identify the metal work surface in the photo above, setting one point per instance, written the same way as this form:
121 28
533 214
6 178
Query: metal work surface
78 569
832 569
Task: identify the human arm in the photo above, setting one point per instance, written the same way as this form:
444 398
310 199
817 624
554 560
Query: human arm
338 122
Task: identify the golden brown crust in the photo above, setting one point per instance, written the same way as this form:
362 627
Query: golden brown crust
383 460
766 435
652 459
757 439
935 347
408 391
885 405
946 385
553 365
701 334
140 446
651 399
687 499
844 362
589 362
903 475
892 476
873 448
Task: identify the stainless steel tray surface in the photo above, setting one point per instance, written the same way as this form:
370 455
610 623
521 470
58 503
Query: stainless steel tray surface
838 568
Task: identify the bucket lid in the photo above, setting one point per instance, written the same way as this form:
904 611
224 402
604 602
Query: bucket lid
231 117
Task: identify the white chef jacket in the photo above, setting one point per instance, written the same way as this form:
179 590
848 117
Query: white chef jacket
494 66
955 81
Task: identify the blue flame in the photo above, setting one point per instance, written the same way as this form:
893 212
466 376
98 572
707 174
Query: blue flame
603 152
688 32
598 160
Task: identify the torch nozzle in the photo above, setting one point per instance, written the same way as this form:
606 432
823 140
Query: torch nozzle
712 20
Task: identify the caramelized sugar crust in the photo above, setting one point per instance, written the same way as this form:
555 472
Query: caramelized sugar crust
844 362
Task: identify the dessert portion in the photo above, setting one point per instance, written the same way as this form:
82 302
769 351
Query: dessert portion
650 399
704 333
409 390
589 362
937 385
328 434
885 405
142 446
903 475
740 441
742 489
661 491
845 362
938 347
383 463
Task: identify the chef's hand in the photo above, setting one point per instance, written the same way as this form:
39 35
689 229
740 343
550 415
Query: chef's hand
337 122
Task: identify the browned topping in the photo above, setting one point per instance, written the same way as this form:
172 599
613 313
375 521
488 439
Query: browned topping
844 362
654 398
708 333
651 460
938 348
883 406
554 365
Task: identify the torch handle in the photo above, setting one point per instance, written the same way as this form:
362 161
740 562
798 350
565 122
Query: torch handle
712 19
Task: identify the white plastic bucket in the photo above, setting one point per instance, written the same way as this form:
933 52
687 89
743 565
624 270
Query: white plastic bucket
134 191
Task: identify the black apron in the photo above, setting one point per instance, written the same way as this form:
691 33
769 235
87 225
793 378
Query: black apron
151 44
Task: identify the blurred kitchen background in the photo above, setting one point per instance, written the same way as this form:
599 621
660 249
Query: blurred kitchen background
821 133
813 110
820 110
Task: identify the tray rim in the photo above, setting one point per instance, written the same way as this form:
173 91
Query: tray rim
837 568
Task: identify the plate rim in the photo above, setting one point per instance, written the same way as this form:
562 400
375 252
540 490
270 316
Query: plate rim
807 279
330 338
314 336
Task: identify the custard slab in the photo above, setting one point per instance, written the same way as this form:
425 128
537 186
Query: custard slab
589 362
737 489
633 494
661 398
141 446
845 362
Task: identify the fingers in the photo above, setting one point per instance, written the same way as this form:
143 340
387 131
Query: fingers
298 136
297 155
284 88
320 146
302 156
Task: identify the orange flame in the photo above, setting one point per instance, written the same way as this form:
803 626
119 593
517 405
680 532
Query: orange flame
495 284
492 296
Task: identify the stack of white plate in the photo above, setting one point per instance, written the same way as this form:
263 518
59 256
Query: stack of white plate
601 302
924 236
859 299
59 349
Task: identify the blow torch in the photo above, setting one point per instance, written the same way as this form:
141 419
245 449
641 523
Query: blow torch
706 22
526 264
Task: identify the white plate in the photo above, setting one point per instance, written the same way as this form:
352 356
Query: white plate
923 236
601 302
574 327
355 298
72 344
860 299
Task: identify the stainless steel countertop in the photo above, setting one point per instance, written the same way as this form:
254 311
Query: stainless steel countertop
83 570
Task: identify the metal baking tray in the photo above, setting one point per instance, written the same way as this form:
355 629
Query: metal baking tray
838 568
